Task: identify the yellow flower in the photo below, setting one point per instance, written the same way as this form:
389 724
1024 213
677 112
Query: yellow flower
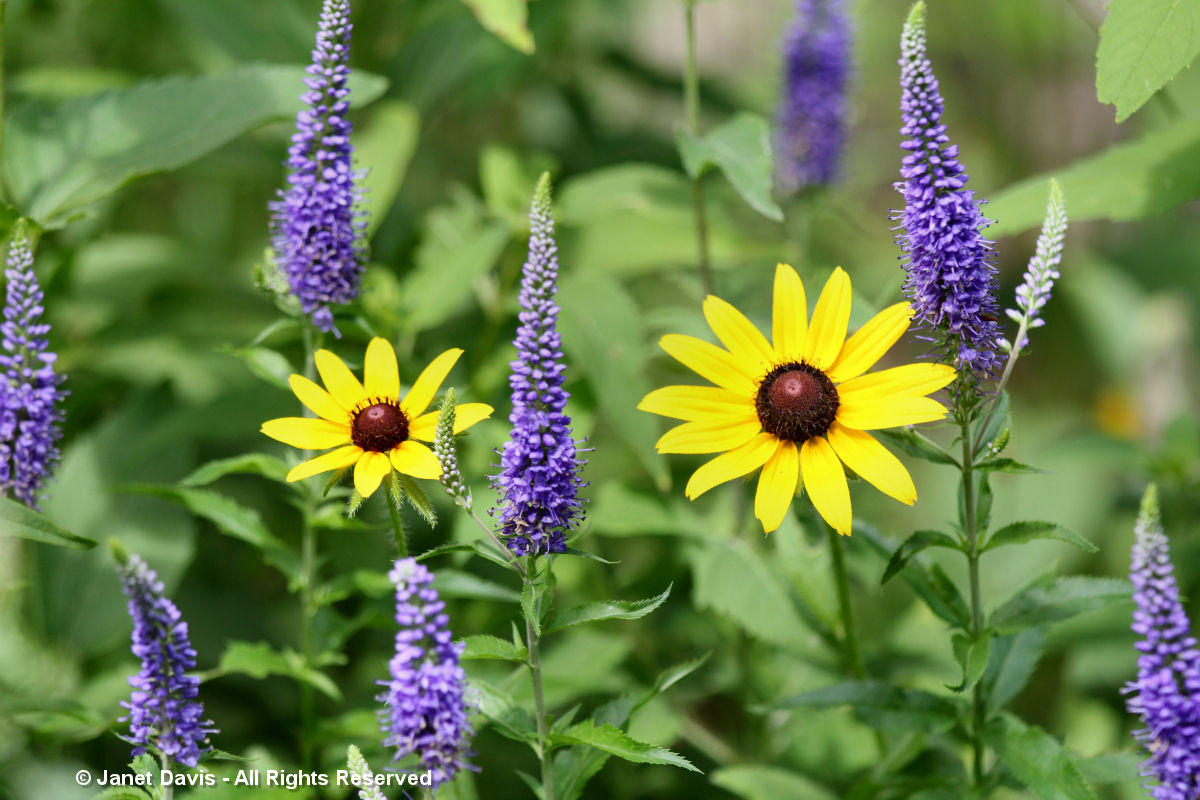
798 406
372 428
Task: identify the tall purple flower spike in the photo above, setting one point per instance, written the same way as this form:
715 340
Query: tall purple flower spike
164 713
317 228
810 129
30 397
539 481
1166 694
424 709
951 278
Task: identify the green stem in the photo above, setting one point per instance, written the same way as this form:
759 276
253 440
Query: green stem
691 104
308 577
3 4
398 540
849 642
1013 355
533 639
972 532
512 559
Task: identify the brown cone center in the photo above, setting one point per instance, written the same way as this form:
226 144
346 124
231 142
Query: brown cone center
379 427
796 402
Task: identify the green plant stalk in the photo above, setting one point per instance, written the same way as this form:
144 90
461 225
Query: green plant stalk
691 105
533 639
308 577
970 510
397 528
3 4
850 651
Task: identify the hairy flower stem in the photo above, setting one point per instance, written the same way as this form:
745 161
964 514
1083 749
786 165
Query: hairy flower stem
533 640
970 510
398 540
691 104
850 650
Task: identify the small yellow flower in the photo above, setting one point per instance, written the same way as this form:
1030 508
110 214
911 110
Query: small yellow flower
798 406
372 428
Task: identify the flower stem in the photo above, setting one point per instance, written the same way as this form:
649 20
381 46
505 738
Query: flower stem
970 510
849 643
533 639
691 105
398 540
308 577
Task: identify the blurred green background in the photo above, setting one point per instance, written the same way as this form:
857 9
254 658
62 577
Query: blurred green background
152 299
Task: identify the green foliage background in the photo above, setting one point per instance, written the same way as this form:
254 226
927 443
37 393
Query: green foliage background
154 200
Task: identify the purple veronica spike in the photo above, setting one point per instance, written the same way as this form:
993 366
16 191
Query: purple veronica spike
1039 278
539 481
951 278
811 125
163 711
1166 694
425 712
316 227
29 393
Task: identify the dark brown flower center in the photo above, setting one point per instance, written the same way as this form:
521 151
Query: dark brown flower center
796 401
379 427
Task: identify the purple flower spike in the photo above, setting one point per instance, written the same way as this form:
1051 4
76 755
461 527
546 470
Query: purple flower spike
163 711
951 279
424 708
1166 694
811 125
29 393
316 226
539 481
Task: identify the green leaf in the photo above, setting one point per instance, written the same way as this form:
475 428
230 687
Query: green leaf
498 706
915 544
247 464
755 782
916 445
741 149
414 494
265 363
16 519
1008 465
1021 532
1110 768
507 20
1063 598
384 145
529 608
571 551
455 583
733 580
1013 659
606 609
1129 181
972 656
614 741
485 646
931 584
1144 44
59 160
258 661
124 793
1036 759
230 517
994 424
602 331
882 706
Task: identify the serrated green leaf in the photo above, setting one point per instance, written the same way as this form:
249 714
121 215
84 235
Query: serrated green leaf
59 160
757 782
1008 465
1010 665
1144 44
882 706
17 519
972 656
247 464
930 584
1110 768
492 647
916 445
1036 759
614 741
384 145
914 544
741 149
606 609
259 660
510 719
1064 598
1021 532
529 608
507 20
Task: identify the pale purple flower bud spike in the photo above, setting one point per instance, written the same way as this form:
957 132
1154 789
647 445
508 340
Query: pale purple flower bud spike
1039 278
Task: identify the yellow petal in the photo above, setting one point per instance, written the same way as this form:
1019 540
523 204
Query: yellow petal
869 415
825 482
336 459
465 415
738 334
709 436
369 472
307 433
428 382
339 380
872 340
381 376
693 402
777 486
828 329
318 400
789 318
711 362
905 381
734 464
414 458
873 462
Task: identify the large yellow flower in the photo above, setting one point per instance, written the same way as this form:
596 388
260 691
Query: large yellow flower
798 406
372 428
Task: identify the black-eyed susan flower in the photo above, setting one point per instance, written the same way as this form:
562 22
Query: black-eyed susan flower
799 406
372 427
